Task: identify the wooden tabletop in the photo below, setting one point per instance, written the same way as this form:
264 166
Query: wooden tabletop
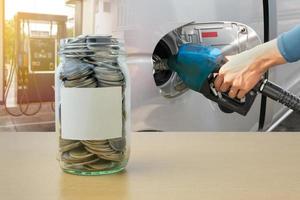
168 166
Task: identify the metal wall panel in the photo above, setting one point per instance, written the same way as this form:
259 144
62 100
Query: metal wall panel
285 15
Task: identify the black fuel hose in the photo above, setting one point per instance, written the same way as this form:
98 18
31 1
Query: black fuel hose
275 92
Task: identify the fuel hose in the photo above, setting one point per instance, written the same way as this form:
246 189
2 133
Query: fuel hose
280 95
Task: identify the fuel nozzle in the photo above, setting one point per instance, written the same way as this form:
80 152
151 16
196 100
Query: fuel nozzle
195 64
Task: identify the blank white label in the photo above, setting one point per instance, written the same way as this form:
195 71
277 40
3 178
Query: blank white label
91 113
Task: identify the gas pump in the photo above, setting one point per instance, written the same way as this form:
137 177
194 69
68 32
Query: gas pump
35 58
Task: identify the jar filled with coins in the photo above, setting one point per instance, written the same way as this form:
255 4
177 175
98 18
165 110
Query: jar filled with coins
92 105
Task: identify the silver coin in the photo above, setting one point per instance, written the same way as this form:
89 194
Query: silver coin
113 157
110 83
95 142
70 146
118 144
80 84
71 72
106 47
107 71
64 142
67 158
104 60
99 149
80 153
95 39
70 165
76 50
101 165
110 77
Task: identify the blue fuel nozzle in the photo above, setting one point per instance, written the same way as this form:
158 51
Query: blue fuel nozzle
194 63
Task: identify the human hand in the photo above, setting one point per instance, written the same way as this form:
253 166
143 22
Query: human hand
238 77
243 71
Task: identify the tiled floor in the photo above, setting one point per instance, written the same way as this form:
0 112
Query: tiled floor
41 122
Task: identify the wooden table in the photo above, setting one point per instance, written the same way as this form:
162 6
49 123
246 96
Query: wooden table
168 166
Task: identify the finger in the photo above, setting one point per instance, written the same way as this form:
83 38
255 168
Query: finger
218 82
233 92
241 94
229 57
224 87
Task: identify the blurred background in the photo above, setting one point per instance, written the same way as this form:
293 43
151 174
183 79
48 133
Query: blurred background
29 41
32 30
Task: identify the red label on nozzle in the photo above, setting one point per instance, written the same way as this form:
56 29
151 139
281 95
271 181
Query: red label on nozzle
209 34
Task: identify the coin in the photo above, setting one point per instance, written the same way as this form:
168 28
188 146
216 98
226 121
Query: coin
101 165
67 158
99 149
81 83
68 165
96 142
80 153
113 157
118 144
63 142
70 146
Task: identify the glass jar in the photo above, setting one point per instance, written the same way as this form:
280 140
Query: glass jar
92 106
